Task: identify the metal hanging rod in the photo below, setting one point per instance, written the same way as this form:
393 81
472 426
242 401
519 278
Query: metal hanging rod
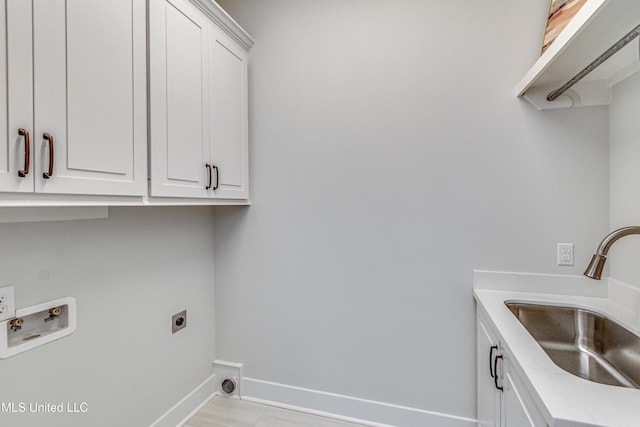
596 63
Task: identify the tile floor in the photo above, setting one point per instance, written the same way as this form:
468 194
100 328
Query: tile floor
225 412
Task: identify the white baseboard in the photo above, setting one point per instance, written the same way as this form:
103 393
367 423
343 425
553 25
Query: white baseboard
189 405
346 408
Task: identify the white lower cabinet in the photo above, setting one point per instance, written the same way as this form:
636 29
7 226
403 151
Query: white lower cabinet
502 398
488 395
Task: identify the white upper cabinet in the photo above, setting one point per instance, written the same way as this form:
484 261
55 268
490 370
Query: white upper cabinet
16 95
597 26
229 117
79 89
198 102
179 99
74 76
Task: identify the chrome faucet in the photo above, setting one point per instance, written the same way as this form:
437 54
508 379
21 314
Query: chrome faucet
594 270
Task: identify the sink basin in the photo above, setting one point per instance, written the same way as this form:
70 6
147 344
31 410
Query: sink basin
583 342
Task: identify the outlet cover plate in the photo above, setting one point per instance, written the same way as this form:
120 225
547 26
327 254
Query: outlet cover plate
178 321
565 253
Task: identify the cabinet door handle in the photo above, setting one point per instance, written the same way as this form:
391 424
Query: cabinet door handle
27 152
495 369
208 166
49 173
217 177
493 347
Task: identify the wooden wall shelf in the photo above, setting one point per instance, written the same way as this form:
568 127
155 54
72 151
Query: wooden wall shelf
594 29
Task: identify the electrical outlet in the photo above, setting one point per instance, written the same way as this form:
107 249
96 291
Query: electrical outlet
178 321
565 253
7 303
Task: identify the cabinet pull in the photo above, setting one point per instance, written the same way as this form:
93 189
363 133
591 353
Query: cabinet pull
27 152
217 177
495 369
493 347
208 166
49 173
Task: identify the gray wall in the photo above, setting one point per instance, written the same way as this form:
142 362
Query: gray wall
389 158
625 175
128 273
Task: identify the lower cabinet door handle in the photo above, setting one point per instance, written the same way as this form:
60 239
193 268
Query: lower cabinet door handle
495 369
493 348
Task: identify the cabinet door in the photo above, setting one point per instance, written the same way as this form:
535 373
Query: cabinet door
515 414
16 95
518 410
488 397
90 96
179 99
229 134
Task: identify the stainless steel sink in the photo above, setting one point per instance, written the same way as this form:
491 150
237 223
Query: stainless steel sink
583 342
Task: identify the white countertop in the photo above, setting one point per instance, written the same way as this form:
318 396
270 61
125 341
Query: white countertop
564 399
